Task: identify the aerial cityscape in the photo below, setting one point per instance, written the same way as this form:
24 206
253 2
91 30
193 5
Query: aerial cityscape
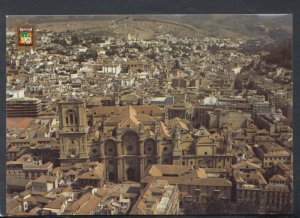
149 115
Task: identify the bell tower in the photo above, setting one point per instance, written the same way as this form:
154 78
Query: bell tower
73 130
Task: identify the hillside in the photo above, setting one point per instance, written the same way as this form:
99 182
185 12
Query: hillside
277 28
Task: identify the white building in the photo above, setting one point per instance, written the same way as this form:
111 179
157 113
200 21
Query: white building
112 68
127 82
82 49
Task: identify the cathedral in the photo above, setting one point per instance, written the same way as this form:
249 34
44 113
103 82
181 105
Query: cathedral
129 139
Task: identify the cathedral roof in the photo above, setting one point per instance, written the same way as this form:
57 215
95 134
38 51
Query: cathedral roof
128 117
180 123
145 118
131 111
164 129
129 122
117 110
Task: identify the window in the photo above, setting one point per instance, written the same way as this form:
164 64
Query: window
129 148
165 149
205 153
67 120
71 118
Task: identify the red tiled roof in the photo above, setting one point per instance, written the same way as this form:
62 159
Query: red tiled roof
18 122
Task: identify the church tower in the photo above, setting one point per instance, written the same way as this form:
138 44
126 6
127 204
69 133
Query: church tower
73 130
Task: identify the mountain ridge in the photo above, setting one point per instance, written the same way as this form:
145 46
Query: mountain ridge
277 28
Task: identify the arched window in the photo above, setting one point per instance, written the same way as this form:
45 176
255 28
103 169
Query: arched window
71 117
150 147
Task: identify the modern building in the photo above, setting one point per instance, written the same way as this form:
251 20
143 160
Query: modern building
23 107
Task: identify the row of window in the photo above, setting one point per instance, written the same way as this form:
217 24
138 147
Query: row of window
275 158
